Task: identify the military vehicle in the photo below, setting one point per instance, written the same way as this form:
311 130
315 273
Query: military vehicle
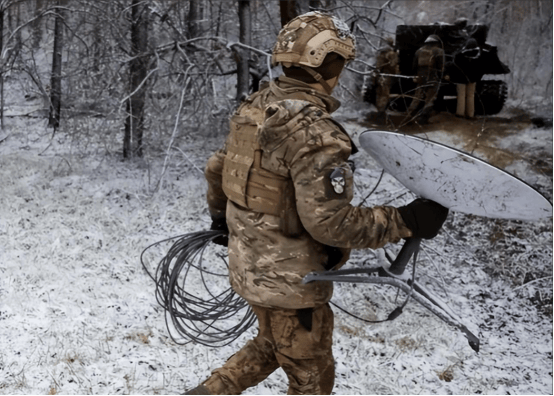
490 95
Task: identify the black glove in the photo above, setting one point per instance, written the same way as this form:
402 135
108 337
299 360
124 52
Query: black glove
220 224
423 217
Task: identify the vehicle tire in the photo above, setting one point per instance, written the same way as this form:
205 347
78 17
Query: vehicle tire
490 96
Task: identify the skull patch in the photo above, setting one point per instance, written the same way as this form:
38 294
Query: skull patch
338 180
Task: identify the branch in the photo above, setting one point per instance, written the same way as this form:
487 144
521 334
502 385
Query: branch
239 44
166 159
139 87
16 30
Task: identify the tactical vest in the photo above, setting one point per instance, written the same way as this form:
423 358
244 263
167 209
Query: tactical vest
425 57
245 182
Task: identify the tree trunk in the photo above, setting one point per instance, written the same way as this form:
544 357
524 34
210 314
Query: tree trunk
288 10
56 77
2 61
134 124
14 20
315 5
193 18
243 54
36 25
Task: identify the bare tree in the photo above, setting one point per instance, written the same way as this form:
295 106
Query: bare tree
37 23
134 124
243 54
56 78
201 69
5 11
3 7
193 18
289 9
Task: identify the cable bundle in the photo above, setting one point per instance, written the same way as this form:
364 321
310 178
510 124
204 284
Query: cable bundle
211 316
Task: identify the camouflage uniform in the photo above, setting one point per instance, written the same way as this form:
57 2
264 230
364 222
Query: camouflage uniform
269 254
429 61
386 63
305 356
284 185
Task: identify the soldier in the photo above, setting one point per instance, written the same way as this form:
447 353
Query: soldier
429 62
464 71
282 185
385 65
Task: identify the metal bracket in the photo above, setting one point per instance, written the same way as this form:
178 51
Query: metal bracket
404 283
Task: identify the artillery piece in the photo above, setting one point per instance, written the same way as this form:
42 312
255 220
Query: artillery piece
490 95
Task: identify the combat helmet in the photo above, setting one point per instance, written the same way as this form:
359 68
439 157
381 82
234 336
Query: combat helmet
309 38
433 39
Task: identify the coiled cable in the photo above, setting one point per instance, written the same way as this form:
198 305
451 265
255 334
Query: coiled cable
214 316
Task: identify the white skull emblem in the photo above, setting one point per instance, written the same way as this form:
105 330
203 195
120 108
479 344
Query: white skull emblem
338 184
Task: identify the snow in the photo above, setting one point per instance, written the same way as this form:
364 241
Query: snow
78 313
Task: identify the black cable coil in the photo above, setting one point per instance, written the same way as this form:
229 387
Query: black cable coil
213 321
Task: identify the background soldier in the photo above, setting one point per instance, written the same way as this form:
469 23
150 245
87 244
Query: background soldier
385 65
429 62
464 71
283 187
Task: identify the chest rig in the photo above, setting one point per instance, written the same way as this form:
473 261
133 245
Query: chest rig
426 57
245 182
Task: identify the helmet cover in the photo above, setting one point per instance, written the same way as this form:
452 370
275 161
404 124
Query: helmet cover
309 38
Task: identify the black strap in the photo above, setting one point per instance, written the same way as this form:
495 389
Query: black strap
305 317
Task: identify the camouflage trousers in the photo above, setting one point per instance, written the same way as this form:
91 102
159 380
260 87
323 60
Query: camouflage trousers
382 93
305 356
426 93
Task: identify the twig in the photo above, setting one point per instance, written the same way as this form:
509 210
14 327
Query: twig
139 87
533 281
248 47
189 160
164 168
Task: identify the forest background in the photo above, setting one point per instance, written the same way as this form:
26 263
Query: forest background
162 72
109 111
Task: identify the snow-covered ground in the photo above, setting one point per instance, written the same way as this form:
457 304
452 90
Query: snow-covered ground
78 314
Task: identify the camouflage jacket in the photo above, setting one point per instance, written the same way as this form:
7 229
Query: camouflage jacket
299 141
429 61
387 61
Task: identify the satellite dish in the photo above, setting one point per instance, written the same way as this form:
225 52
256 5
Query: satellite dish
456 180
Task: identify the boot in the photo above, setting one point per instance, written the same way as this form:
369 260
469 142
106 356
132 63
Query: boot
199 390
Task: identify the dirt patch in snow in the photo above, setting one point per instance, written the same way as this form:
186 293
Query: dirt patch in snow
482 137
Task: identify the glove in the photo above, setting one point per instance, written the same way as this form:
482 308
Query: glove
423 217
220 224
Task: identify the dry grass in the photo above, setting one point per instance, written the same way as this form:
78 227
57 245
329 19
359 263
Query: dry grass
406 344
141 337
